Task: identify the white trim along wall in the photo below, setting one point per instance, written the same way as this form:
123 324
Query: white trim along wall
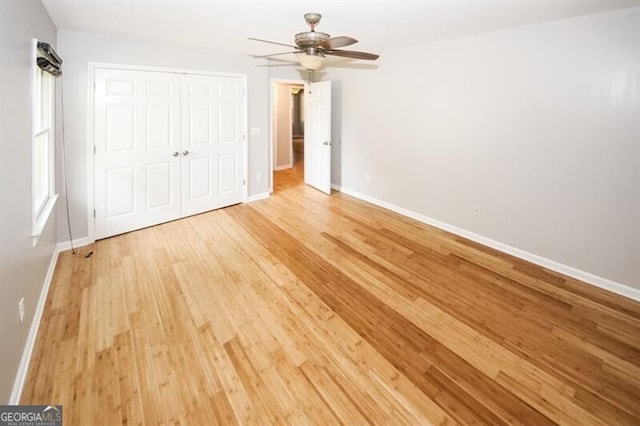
23 368
612 286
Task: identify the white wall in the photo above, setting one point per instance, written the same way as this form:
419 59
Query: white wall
78 49
539 126
22 267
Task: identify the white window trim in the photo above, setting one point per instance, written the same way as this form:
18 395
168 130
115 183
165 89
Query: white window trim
43 218
40 216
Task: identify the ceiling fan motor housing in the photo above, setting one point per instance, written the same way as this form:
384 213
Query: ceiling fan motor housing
310 39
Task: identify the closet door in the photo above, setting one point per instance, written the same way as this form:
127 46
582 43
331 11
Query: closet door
137 149
212 142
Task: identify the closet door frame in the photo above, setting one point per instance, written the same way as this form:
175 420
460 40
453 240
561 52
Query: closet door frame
90 160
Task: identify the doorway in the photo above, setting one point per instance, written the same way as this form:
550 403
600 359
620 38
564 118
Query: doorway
297 124
287 130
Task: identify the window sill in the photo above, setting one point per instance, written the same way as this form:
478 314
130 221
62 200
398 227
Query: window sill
41 222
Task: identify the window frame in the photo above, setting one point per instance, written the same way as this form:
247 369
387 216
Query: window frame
43 195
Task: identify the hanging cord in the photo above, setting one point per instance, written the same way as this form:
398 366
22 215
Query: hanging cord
64 174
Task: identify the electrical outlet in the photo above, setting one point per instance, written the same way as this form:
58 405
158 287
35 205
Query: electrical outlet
258 176
367 178
21 309
476 210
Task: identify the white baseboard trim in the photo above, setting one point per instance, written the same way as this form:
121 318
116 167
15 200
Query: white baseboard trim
23 368
604 283
81 242
258 197
286 166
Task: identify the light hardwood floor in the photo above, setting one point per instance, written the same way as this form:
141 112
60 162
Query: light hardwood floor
314 309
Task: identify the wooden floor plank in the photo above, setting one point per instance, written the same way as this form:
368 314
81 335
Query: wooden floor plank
313 309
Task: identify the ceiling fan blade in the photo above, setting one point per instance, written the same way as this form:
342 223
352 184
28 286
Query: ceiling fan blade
272 42
353 54
274 54
336 42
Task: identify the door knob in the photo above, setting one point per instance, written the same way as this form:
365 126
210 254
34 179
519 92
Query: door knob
175 154
185 152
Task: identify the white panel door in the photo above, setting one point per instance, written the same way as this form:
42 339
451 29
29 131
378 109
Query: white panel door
137 140
317 135
212 142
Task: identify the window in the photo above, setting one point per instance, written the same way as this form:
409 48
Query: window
43 162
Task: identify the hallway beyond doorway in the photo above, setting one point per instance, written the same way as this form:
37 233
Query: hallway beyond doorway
289 178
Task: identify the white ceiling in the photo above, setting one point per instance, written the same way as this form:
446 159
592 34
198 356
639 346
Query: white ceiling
378 24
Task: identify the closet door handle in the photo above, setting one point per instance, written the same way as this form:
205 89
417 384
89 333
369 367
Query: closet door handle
185 152
175 154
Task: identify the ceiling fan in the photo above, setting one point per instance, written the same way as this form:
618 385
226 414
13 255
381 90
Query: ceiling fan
312 46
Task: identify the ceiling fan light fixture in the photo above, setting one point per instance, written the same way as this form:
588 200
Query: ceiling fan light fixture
310 62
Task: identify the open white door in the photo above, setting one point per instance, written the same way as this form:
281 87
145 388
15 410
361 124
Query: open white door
317 135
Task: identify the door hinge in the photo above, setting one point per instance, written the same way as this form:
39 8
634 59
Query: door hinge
94 150
94 213
244 136
244 182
